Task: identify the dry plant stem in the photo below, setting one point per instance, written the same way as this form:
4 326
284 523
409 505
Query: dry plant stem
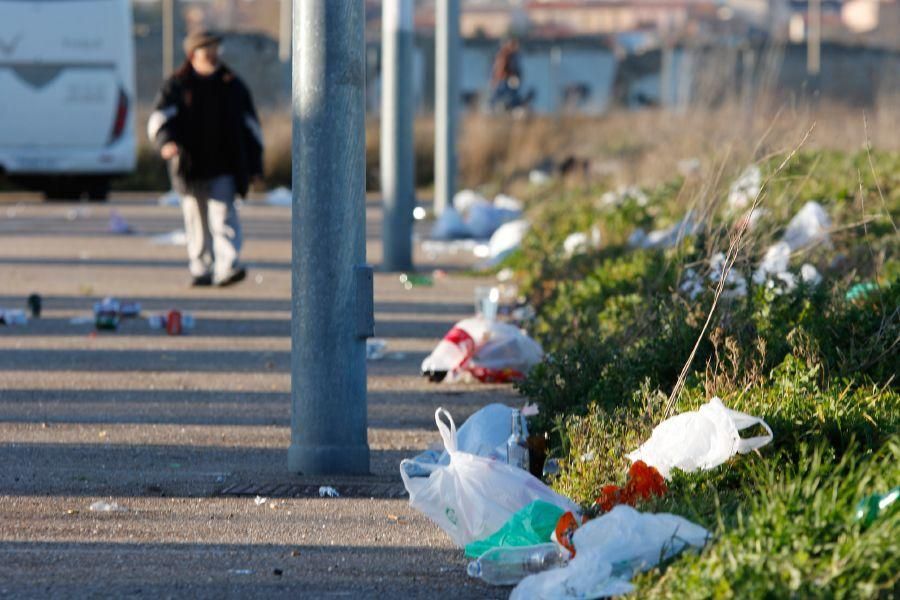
734 249
874 174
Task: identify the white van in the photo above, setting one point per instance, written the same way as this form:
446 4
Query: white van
67 94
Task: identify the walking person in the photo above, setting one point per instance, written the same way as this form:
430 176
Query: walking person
205 127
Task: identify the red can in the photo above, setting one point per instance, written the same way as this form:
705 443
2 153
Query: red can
173 322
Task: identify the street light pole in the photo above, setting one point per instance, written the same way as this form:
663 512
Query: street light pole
168 37
332 305
447 49
397 185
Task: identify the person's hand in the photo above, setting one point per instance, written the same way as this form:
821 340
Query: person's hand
168 150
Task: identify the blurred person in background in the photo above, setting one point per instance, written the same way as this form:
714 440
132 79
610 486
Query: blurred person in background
205 127
506 77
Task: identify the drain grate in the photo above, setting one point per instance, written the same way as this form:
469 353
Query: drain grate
306 490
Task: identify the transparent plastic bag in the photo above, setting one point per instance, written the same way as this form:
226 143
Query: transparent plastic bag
473 497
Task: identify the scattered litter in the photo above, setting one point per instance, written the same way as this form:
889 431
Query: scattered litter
623 195
258 279
808 228
504 241
419 213
643 483
505 274
579 243
436 248
326 491
609 550
487 351
450 226
376 348
485 433
539 177
461 497
665 238
487 302
411 280
118 225
735 282
701 439
508 203
102 506
465 199
79 212
745 189
533 524
259 500
810 275
508 565
872 507
551 467
775 261
860 291
107 314
174 322
280 196
170 198
173 238
13 317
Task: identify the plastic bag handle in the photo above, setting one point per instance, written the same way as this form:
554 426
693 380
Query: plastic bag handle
447 433
743 421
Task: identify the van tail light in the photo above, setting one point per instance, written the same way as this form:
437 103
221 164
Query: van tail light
121 118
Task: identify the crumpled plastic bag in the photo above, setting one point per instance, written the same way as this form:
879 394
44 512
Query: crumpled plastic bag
450 226
745 188
488 351
473 496
483 218
504 241
580 242
280 196
609 550
809 227
530 526
665 238
701 439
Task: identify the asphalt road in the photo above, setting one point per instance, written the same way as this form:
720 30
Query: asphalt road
162 425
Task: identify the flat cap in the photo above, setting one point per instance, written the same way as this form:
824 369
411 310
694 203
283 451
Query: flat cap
199 39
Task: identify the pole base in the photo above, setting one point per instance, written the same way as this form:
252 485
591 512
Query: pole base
328 460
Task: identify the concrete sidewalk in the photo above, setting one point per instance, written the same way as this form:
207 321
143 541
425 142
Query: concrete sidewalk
164 425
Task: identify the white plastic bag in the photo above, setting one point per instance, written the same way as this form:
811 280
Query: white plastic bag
808 227
609 550
504 241
488 351
473 497
483 434
702 439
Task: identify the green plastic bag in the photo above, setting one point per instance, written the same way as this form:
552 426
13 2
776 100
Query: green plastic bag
532 525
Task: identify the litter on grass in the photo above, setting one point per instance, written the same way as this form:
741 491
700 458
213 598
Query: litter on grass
700 440
609 550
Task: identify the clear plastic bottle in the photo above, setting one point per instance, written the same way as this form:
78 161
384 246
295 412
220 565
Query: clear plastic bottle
509 565
517 445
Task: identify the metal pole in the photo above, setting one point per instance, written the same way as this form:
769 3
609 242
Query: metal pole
447 48
397 161
814 38
332 305
168 37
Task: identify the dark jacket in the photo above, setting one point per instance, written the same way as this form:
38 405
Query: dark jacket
214 123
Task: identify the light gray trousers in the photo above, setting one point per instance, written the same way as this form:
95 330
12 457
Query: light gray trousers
211 227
